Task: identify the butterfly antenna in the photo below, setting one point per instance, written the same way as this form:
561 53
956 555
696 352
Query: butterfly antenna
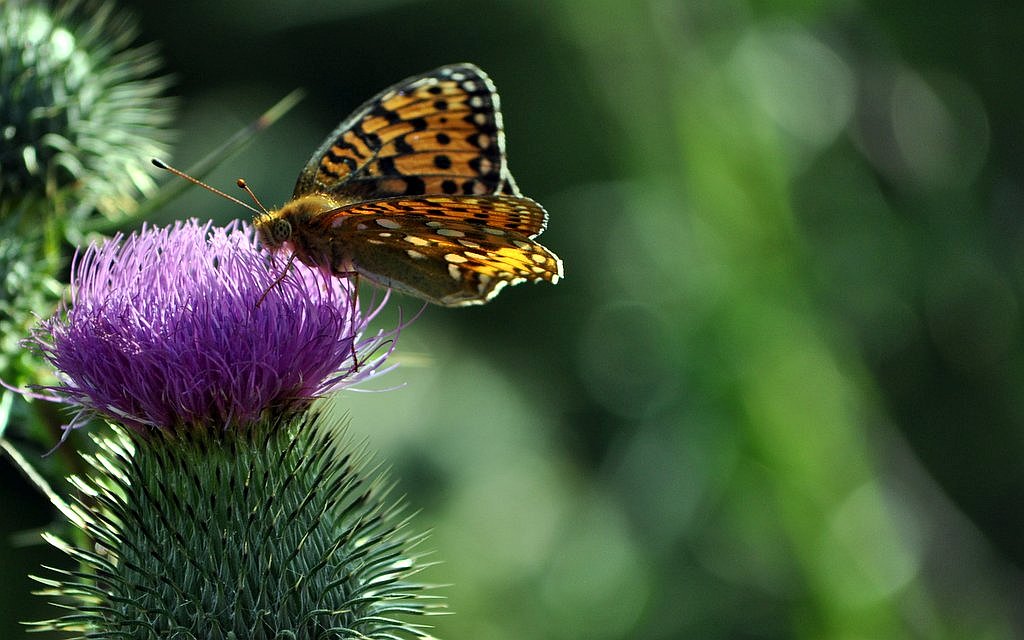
244 186
181 174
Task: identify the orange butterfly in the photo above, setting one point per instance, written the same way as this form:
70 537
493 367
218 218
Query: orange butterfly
412 192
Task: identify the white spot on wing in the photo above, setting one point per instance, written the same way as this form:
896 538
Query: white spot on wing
498 286
416 240
455 272
388 224
451 233
415 254
454 258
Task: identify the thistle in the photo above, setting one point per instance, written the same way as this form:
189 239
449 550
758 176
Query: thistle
223 506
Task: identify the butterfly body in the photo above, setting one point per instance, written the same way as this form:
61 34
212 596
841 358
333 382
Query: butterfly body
294 229
413 193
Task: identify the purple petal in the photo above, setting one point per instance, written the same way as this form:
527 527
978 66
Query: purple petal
166 328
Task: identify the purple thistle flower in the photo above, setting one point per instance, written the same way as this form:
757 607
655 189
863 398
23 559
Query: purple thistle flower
167 329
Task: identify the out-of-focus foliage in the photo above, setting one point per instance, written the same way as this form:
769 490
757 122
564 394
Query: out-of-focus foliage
777 394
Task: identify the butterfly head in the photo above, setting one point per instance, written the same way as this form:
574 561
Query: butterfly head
273 230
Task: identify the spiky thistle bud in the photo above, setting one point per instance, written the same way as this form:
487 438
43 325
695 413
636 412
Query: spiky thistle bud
274 532
80 114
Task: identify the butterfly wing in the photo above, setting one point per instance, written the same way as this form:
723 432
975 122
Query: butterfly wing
436 133
453 251
517 214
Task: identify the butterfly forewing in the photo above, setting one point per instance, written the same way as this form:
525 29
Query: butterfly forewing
518 214
452 260
438 133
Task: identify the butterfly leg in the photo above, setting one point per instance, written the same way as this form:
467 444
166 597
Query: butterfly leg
354 275
277 281
354 307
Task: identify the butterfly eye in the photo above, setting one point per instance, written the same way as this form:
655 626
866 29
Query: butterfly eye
280 231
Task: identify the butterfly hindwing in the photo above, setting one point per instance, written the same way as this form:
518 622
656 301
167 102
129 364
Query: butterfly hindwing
461 256
436 133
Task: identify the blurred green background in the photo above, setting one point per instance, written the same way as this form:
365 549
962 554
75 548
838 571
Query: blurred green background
779 392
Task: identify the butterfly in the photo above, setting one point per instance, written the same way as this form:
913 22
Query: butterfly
413 192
